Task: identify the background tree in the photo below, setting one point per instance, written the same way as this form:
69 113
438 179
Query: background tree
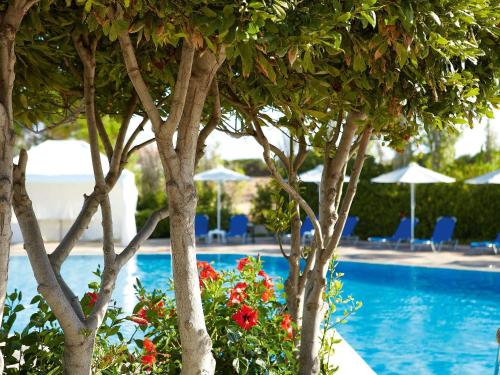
114 97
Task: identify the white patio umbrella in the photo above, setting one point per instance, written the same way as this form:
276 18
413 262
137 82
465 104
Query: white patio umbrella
413 174
314 175
488 178
219 175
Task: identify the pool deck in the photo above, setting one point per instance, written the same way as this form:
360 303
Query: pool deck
461 258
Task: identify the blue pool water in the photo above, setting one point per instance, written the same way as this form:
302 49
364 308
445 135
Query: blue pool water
413 321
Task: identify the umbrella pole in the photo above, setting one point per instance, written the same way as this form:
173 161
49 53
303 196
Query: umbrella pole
218 204
412 208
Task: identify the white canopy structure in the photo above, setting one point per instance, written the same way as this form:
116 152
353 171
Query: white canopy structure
219 175
488 178
413 174
314 176
58 174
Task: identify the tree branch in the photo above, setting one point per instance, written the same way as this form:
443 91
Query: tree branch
138 147
103 134
133 136
212 122
138 82
46 279
141 236
261 138
180 89
350 193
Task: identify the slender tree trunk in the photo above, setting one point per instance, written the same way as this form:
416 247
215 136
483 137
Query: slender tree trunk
197 355
78 351
314 308
7 62
6 155
294 297
333 223
196 343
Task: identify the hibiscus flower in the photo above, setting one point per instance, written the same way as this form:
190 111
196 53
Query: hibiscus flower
286 324
245 317
206 272
242 263
92 298
267 295
237 294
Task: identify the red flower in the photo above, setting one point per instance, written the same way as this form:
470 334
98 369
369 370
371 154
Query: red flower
245 317
92 298
242 263
149 346
263 274
237 294
268 282
207 272
148 359
143 313
267 295
286 324
159 309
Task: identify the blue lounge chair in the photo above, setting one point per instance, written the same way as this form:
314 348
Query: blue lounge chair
348 232
443 233
307 230
238 227
495 245
403 233
201 226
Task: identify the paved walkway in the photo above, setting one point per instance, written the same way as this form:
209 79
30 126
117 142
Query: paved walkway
462 258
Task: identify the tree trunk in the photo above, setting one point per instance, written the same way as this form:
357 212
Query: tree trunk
6 155
7 62
314 309
294 297
78 351
197 355
196 343
333 222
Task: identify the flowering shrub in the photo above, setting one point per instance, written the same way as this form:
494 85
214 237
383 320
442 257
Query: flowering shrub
250 330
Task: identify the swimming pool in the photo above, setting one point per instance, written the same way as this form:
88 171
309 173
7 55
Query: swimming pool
414 320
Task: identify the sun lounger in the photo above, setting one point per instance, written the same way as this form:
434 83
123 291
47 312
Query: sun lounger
443 233
348 232
495 245
307 230
238 227
403 233
201 226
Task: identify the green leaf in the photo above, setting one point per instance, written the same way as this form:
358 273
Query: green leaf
471 92
359 63
370 17
344 17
